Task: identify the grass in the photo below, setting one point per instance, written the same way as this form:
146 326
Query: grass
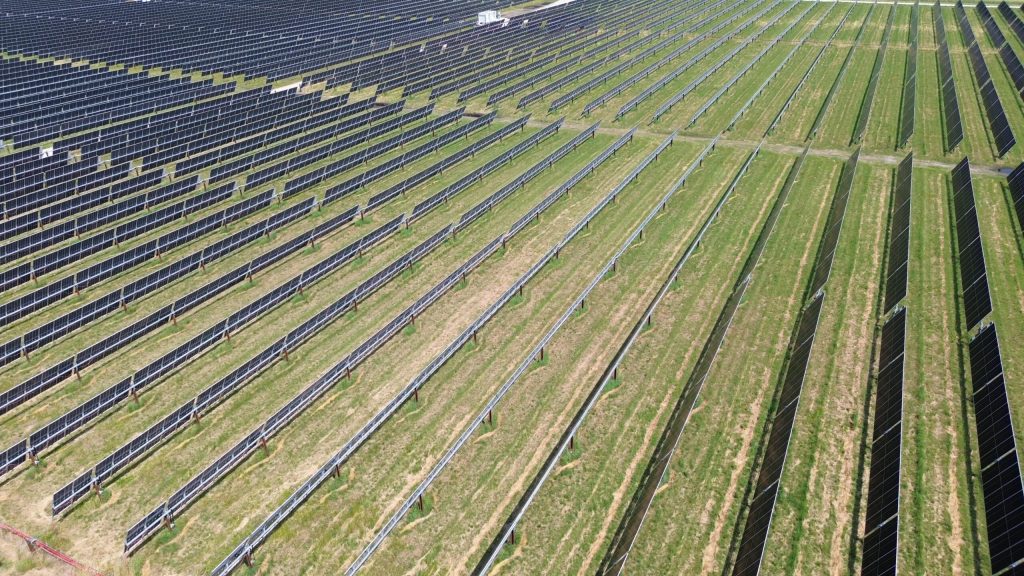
618 431
719 462
705 485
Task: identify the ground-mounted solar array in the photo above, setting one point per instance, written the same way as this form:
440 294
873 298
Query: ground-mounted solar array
596 287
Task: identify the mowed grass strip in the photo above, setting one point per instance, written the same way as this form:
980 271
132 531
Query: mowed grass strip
568 527
814 514
692 520
935 506
480 487
382 474
156 477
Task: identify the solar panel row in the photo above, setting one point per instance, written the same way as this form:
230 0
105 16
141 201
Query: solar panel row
1000 127
973 277
953 126
111 267
869 94
1002 486
899 235
766 488
910 85
881 527
837 214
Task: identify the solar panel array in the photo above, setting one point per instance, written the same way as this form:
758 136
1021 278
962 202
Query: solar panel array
241 38
44 101
953 125
18 395
899 235
1001 131
641 75
973 276
766 489
1016 183
147 376
1001 482
227 385
1006 53
869 93
757 58
603 78
910 85
881 526
837 214
807 74
245 549
686 90
826 105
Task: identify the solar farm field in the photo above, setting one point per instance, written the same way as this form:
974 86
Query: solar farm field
728 287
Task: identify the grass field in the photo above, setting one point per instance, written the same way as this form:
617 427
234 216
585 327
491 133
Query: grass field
697 517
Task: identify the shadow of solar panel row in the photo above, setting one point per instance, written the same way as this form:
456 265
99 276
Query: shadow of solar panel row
236 39
32 123
1001 477
977 303
19 394
679 96
899 234
336 146
759 517
310 179
1016 183
177 358
910 86
881 525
